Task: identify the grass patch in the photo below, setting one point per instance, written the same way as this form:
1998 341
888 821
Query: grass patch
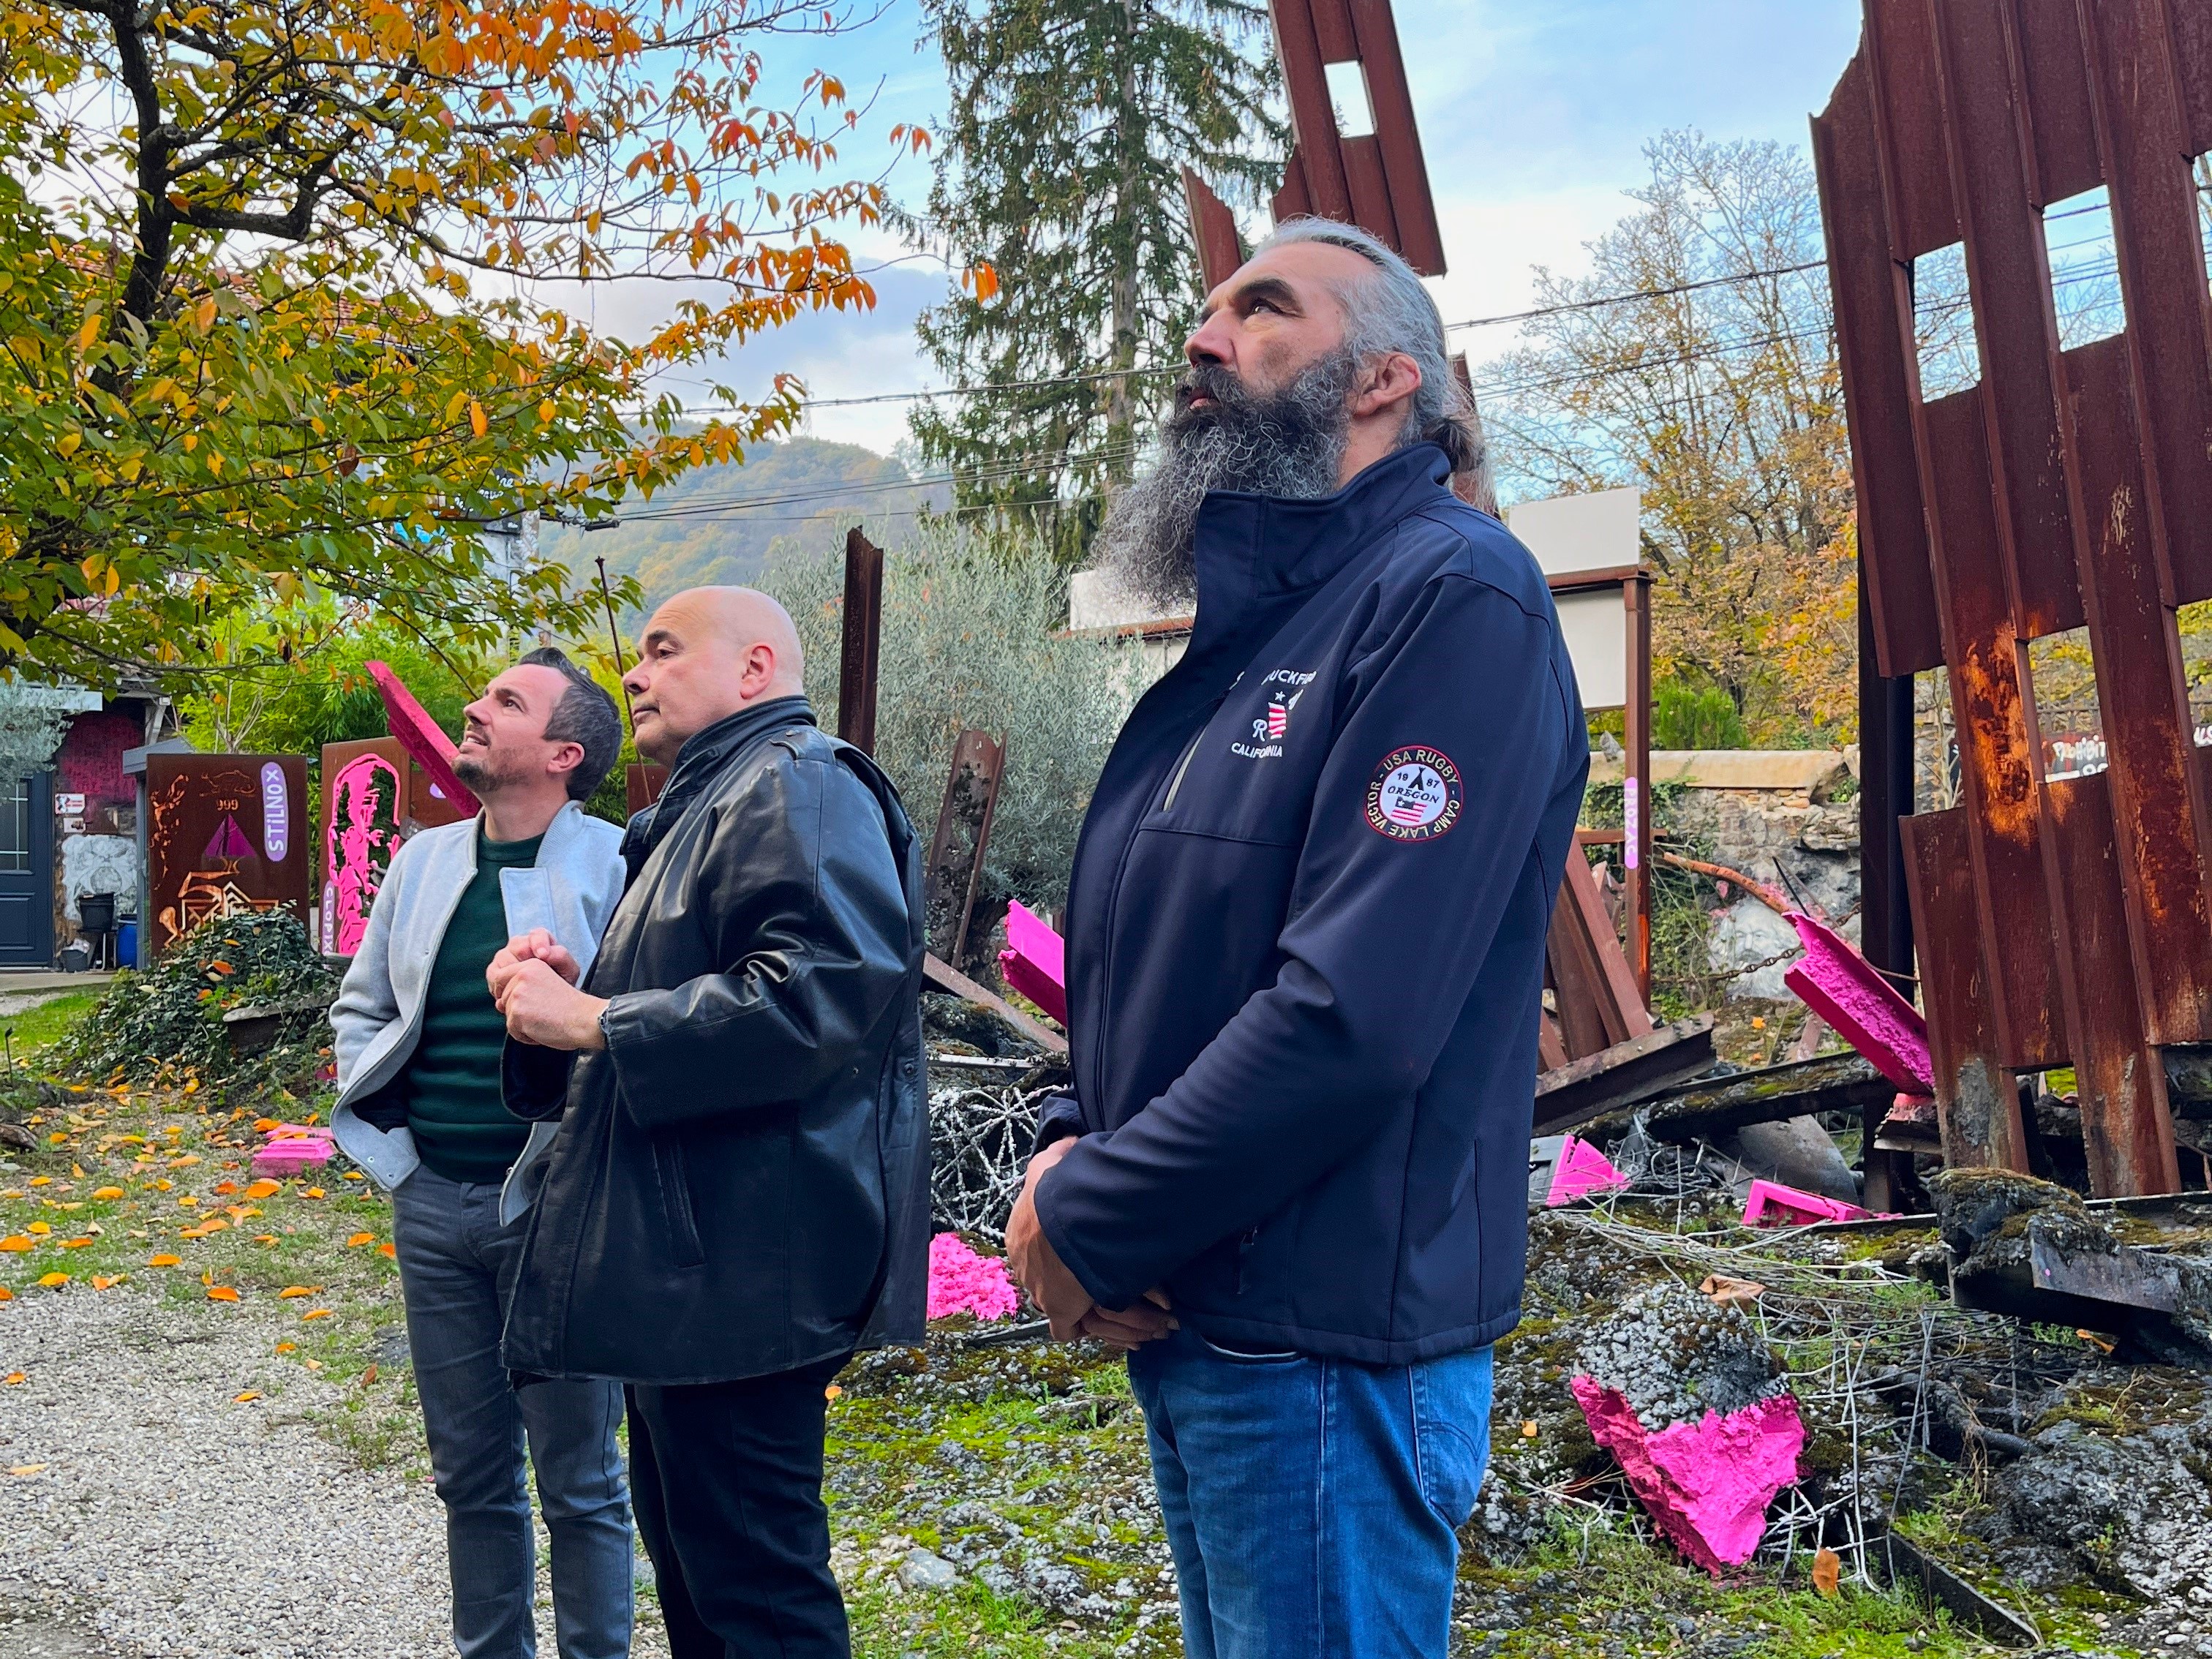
44 1024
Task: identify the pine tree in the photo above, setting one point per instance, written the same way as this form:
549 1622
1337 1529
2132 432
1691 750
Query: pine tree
1061 169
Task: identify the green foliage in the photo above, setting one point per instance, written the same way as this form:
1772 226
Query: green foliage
972 635
169 1019
1687 716
1683 981
1059 168
46 1022
323 693
803 494
247 361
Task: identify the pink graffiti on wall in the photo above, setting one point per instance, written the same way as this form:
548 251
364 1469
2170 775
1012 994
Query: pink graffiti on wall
359 840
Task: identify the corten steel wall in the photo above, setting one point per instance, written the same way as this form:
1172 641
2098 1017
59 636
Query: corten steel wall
2060 921
225 834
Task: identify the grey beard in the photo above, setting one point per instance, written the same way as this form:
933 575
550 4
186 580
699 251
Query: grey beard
1287 444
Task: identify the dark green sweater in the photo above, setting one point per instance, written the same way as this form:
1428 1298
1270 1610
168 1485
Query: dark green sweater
461 1129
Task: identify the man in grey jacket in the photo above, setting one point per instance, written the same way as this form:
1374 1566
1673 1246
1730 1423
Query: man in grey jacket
419 1109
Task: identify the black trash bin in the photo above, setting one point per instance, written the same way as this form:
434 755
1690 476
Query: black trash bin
96 912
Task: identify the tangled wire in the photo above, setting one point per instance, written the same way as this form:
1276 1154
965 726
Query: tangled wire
980 1140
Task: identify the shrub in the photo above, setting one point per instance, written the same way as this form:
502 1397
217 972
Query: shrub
974 635
1685 716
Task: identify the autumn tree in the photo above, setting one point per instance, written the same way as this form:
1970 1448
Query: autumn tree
1059 168
291 295
1717 394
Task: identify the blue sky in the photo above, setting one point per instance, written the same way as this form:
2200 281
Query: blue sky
1533 116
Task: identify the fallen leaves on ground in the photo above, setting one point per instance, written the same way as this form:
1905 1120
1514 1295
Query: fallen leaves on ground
24 1471
165 1261
54 1281
1827 1572
359 1239
315 1313
222 1293
265 1188
292 1291
107 1192
249 1395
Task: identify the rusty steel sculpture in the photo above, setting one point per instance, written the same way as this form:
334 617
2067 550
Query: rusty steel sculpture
2043 481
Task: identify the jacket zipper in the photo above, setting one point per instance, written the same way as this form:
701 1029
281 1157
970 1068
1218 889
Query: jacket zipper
1175 782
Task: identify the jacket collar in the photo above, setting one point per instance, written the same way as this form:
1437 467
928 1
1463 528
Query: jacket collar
1251 549
697 762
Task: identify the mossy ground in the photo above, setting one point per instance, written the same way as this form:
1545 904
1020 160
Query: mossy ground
1024 1467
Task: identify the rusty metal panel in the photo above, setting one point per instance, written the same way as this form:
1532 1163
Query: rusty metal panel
1899 46
1313 119
2048 49
1396 135
1996 766
2127 1129
962 837
1379 181
2156 225
2013 316
2189 23
1977 1099
2143 701
1212 231
1872 337
225 834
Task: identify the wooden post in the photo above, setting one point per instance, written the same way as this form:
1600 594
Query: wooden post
963 835
864 628
1636 784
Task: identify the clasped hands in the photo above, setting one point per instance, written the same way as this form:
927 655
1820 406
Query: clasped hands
533 984
1037 1268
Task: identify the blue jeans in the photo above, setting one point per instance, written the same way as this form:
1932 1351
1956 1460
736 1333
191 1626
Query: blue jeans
456 1268
1311 1504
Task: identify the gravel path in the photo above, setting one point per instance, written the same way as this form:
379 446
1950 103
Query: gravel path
157 1515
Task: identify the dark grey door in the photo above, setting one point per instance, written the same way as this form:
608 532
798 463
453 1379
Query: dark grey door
26 872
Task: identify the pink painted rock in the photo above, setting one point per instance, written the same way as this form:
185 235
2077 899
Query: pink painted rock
1771 1204
1839 984
293 1147
1582 1170
1035 961
961 1281
1706 1484
420 736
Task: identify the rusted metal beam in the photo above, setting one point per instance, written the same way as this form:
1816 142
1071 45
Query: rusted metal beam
1977 1097
1897 581
946 977
863 640
1614 1078
2127 1129
1212 231
962 837
1599 1005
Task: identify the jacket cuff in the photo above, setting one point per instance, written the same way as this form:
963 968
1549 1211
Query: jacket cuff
534 1082
1101 1291
1061 1118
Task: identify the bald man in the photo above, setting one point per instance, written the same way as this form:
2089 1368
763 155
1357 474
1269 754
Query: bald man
739 1194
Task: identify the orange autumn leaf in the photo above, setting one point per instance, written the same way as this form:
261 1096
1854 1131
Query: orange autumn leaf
265 1188
38 1227
286 1347
17 1243
14 1377
479 423
313 1192
242 1399
264 1125
369 1376
315 1313
1827 1572
354 1174
222 1293
6 1295
164 1260
391 1250
359 1239
225 1188
291 1291
107 1192
24 1471
75 1243
54 1281
105 1281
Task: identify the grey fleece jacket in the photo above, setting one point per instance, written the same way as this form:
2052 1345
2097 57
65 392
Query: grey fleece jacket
571 892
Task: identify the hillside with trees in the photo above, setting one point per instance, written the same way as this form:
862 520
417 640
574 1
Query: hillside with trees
720 523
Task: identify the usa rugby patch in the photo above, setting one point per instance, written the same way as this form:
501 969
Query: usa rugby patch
1414 794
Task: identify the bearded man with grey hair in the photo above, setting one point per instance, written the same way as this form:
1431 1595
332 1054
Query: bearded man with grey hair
1305 966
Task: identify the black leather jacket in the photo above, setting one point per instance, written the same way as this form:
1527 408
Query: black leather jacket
741 1183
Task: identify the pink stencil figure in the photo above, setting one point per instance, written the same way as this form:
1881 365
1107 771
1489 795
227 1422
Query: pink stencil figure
228 844
358 843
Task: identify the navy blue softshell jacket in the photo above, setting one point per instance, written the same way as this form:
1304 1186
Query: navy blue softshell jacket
1306 933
